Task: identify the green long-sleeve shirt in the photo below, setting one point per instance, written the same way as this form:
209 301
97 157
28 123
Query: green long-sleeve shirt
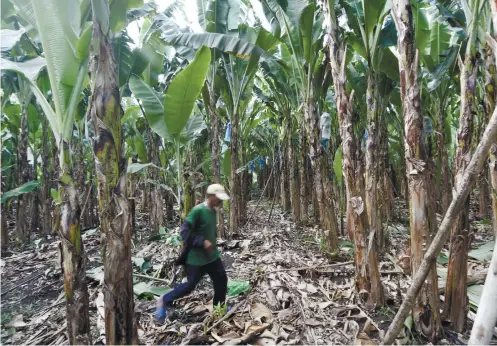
203 222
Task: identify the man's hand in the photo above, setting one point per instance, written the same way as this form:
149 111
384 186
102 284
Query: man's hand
207 245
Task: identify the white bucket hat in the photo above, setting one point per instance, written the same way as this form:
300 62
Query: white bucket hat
218 191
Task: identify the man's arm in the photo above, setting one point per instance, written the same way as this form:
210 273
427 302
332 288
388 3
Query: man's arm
189 238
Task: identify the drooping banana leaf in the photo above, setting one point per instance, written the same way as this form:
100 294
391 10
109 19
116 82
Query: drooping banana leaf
153 103
65 44
20 190
8 39
192 129
442 69
30 70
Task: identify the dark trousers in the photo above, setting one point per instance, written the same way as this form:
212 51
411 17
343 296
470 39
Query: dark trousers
194 274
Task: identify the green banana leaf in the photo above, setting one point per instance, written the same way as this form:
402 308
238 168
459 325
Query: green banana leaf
184 90
337 165
225 43
169 121
153 103
226 164
20 190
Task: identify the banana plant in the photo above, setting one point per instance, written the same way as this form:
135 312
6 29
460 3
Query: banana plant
426 314
278 86
439 72
299 27
16 46
455 290
64 32
371 40
23 168
366 259
65 46
169 115
239 60
216 16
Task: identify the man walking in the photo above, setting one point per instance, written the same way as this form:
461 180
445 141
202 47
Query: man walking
200 254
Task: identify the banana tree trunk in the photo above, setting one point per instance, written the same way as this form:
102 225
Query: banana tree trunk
490 98
147 187
483 187
385 174
35 202
23 201
91 211
170 206
315 201
115 219
304 176
45 194
456 301
368 280
373 162
277 177
5 231
269 174
294 180
214 140
234 177
188 183
132 184
462 191
79 171
247 181
443 157
490 85
493 180
189 198
426 313
73 254
284 166
320 167
156 205
244 187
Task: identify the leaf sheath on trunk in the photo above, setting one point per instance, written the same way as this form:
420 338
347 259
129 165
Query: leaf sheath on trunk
115 218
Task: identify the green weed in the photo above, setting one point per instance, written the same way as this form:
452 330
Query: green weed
218 311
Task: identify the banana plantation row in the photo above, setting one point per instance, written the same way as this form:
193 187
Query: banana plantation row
337 107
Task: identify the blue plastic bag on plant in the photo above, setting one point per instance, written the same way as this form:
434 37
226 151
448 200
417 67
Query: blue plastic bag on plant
325 142
325 125
227 136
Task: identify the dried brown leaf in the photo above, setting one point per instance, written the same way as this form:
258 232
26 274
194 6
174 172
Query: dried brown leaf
286 315
313 322
311 289
267 334
364 339
264 341
261 313
324 305
16 322
271 299
283 334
